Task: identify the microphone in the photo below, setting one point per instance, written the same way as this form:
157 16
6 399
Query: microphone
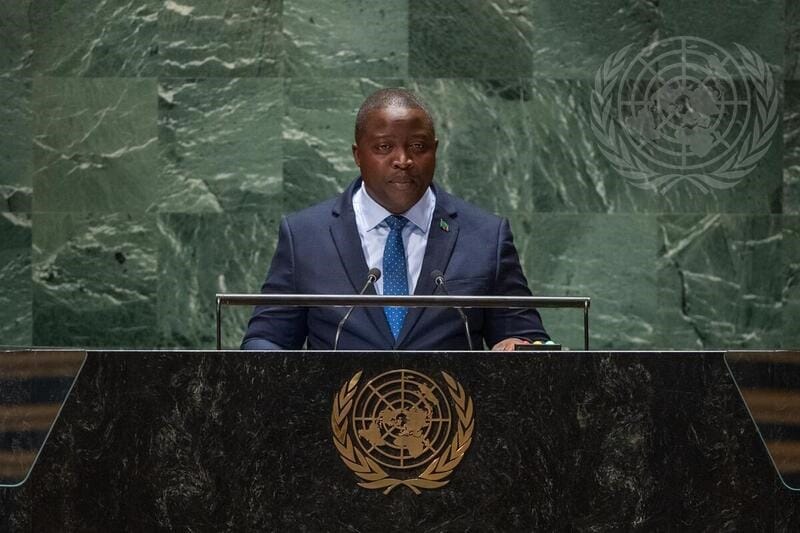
438 279
372 276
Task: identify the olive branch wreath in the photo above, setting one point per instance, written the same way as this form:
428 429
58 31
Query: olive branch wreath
753 148
374 477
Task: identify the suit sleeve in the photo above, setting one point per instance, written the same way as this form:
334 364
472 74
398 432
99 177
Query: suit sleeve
509 280
271 327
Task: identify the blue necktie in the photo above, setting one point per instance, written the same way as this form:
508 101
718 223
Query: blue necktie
395 274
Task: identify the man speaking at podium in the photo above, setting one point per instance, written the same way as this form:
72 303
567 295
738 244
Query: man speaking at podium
393 224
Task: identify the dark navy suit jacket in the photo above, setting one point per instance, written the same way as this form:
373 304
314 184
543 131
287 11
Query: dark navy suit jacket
319 252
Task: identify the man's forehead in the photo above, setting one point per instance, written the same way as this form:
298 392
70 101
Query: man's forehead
384 117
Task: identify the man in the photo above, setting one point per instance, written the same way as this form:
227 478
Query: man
393 218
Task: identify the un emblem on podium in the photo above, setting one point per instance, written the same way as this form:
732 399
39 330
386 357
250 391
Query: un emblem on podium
402 428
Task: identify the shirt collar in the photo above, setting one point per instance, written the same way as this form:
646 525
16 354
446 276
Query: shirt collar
420 214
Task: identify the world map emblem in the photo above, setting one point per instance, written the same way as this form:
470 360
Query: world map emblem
402 428
684 110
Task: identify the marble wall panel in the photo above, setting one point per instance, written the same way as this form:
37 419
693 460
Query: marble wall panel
470 39
15 38
484 133
721 281
609 258
16 300
791 147
208 38
346 38
790 296
94 280
111 38
791 39
571 39
318 136
220 144
758 26
571 174
200 255
95 145
509 83
15 145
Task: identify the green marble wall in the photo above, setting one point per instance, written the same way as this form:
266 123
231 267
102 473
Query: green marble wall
149 148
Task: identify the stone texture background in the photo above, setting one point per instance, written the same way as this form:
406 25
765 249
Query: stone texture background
149 148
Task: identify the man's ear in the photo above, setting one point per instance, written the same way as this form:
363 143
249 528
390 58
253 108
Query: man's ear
355 155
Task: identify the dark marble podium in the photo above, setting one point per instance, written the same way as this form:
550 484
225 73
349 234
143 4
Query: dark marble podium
240 441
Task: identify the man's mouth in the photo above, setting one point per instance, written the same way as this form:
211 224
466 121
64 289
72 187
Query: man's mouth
402 185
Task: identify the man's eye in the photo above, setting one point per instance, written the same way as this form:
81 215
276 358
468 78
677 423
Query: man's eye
384 147
418 147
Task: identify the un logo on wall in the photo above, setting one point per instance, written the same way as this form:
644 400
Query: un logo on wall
399 424
684 109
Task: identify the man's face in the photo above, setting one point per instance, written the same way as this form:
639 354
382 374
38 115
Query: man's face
396 153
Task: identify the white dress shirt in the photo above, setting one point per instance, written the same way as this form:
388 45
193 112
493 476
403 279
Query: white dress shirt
373 232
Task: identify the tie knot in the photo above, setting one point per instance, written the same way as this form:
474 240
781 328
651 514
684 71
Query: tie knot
395 222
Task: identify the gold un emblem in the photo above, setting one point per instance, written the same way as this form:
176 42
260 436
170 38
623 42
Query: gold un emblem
401 424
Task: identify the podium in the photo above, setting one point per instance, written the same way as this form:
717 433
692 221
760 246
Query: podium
208 441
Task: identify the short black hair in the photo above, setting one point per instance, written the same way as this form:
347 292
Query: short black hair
383 98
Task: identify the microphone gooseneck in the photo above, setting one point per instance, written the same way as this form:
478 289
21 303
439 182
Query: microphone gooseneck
438 279
372 276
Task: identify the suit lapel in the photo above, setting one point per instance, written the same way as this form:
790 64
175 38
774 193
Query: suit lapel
348 244
441 240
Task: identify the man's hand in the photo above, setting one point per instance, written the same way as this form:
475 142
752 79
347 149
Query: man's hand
507 345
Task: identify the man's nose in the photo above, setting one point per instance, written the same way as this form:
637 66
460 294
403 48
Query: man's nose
403 160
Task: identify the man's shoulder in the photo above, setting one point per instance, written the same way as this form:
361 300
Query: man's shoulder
314 213
463 209
467 210
325 209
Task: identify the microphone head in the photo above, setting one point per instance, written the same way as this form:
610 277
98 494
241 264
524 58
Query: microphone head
438 276
374 273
